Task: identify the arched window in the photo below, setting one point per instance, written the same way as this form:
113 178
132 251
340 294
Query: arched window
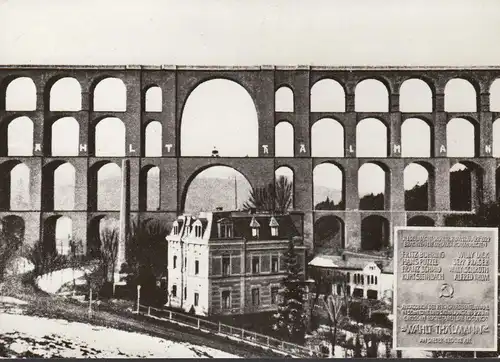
327 138
154 100
20 95
284 100
327 95
154 143
371 138
284 140
460 96
66 95
415 96
65 137
110 129
371 95
110 95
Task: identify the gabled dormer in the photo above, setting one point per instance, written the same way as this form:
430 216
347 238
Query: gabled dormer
197 230
273 224
255 226
175 228
225 228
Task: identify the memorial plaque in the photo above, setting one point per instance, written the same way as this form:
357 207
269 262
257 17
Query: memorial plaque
445 288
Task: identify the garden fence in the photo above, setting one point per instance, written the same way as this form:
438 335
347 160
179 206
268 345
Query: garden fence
221 329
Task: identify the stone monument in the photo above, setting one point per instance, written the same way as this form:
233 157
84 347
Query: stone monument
445 288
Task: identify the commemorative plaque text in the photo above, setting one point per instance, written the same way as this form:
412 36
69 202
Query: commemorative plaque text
445 288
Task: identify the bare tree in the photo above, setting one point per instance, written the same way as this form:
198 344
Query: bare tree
109 252
337 306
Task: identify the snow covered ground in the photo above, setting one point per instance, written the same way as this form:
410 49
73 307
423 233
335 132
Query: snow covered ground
29 336
42 337
52 282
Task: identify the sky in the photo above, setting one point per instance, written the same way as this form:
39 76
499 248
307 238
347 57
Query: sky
277 32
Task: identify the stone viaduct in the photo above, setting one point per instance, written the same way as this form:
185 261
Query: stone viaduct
176 84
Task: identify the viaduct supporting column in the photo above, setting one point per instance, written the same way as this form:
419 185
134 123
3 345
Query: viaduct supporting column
124 218
442 183
302 142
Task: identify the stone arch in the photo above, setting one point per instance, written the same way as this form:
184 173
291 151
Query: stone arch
375 233
371 95
373 186
288 174
416 138
460 96
102 99
420 220
153 99
12 228
66 95
104 186
153 139
58 233
418 186
235 128
98 225
372 137
223 178
284 140
328 187
327 138
415 95
327 95
149 188
465 186
495 96
19 137
59 184
462 138
20 95
65 137
106 129
15 185
329 233
283 100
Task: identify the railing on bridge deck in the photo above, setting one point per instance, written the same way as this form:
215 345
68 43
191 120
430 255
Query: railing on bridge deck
221 329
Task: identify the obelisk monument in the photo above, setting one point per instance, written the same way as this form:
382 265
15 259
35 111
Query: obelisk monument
124 219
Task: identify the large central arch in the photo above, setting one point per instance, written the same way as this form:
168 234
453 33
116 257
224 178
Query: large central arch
219 113
232 186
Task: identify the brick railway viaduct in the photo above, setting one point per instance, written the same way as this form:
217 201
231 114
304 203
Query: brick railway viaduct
262 83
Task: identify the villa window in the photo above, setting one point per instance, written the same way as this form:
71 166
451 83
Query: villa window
255 264
196 299
255 297
226 299
174 291
175 262
274 263
226 265
196 267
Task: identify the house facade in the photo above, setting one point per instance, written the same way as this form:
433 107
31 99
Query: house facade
230 262
367 276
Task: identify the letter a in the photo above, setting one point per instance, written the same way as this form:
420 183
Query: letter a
266 150
442 149
302 148
38 147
